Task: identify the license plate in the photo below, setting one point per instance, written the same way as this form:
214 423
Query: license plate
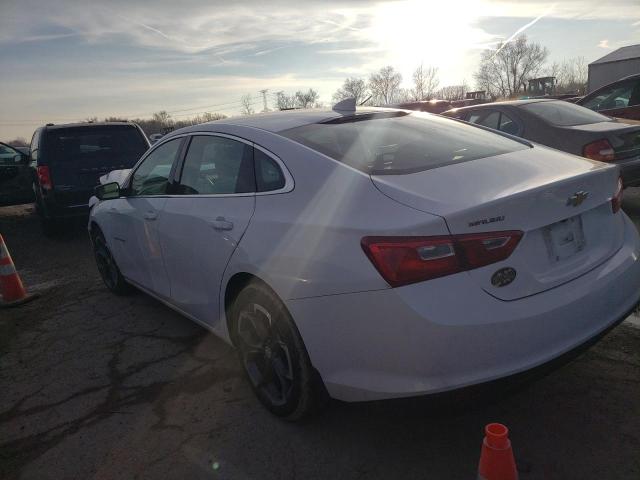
564 239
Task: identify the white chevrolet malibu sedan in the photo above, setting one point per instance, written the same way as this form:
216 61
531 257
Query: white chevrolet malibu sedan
371 254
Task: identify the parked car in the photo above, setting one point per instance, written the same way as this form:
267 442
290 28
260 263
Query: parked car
15 176
564 126
430 106
69 159
620 99
154 137
371 254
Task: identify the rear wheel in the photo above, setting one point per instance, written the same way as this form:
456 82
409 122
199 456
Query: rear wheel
273 354
108 268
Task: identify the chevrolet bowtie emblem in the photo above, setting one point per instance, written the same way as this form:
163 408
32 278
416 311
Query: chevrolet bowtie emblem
577 198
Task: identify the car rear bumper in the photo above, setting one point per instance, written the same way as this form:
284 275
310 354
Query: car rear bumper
447 333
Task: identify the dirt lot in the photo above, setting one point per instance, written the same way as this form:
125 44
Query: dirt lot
105 387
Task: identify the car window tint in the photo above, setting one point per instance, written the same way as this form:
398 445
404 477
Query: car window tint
507 125
564 113
7 155
490 119
399 142
474 117
269 176
119 146
616 96
152 176
216 166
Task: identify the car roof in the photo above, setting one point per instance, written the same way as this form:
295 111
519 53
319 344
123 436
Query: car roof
51 126
506 103
279 121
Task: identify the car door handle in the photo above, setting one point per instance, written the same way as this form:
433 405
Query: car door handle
222 223
150 215
113 210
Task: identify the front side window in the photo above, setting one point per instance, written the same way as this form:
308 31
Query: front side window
564 114
400 143
217 166
612 97
152 176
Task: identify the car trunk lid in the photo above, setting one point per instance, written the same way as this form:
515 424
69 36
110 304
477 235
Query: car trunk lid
561 203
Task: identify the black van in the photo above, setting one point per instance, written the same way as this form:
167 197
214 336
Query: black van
68 161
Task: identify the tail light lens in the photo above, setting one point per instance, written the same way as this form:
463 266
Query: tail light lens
44 178
616 200
405 260
600 150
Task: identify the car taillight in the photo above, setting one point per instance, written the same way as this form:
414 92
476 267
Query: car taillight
405 260
44 178
616 200
600 150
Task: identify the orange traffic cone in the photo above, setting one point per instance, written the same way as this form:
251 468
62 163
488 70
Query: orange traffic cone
496 458
11 288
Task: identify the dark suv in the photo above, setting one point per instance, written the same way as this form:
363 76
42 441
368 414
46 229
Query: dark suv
69 160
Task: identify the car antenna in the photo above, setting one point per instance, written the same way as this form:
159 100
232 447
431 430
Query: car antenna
346 106
365 100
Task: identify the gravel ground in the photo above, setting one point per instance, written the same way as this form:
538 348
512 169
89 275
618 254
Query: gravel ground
95 386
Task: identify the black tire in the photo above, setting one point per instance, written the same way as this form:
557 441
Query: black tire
273 354
107 266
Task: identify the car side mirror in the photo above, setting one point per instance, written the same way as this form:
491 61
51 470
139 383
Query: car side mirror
108 191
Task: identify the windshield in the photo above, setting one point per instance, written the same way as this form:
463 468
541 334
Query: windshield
400 143
118 144
564 114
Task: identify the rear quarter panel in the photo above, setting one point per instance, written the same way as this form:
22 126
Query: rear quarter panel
307 242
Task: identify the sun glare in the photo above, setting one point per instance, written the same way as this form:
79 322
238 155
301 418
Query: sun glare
434 33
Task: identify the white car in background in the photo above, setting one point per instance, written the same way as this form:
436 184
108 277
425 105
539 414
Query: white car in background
371 254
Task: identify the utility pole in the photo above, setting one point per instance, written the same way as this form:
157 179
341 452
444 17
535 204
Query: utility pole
264 98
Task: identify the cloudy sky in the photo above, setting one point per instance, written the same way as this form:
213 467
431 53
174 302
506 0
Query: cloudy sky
68 60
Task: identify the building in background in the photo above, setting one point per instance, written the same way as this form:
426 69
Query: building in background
620 63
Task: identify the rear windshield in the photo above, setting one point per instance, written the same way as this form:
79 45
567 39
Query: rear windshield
392 143
117 145
564 114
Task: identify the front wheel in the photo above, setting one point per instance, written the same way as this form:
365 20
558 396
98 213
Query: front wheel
273 354
107 266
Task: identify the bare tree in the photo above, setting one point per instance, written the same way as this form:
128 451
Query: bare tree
572 75
246 105
384 85
352 88
452 92
425 83
163 118
284 101
505 71
306 99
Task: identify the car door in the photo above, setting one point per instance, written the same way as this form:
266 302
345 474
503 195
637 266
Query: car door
15 177
135 216
205 219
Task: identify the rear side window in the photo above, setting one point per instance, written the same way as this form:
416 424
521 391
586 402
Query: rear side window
564 114
217 166
269 176
400 143
86 147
